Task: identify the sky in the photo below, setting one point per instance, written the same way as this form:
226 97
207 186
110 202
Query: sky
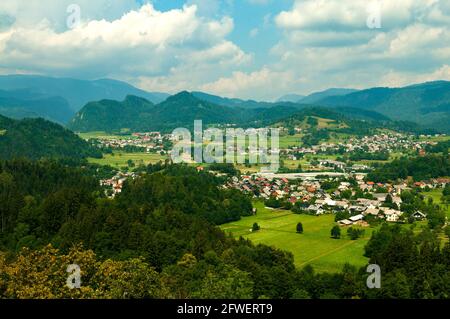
251 49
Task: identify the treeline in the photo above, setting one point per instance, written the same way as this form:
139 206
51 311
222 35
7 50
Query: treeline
440 147
420 168
361 155
411 266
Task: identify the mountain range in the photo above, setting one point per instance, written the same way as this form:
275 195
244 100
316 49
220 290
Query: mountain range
179 110
58 99
182 109
427 104
84 104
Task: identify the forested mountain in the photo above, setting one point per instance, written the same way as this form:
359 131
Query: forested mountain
294 98
76 92
426 104
19 104
344 120
315 97
37 138
112 115
182 109
179 110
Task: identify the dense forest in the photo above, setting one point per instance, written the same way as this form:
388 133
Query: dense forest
420 168
38 138
158 239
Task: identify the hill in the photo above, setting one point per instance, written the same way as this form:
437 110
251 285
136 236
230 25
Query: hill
39 138
291 98
314 98
232 102
112 115
179 110
347 120
425 103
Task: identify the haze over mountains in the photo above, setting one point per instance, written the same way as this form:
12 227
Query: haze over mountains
103 104
58 99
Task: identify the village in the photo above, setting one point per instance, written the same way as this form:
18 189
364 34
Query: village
363 200
385 142
149 142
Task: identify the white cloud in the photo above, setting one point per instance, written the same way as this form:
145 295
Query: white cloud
143 42
327 43
28 13
268 83
254 32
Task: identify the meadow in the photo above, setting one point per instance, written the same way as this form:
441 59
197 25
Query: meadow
314 247
436 195
120 159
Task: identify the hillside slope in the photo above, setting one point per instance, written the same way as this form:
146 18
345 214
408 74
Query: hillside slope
39 138
426 104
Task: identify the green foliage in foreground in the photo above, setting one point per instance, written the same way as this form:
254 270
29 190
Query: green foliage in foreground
156 241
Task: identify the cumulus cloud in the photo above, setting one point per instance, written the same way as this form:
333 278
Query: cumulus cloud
143 42
328 43
317 44
268 83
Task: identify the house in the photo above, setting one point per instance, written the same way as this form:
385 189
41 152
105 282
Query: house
371 211
381 197
316 209
356 218
396 200
341 204
345 222
419 215
392 215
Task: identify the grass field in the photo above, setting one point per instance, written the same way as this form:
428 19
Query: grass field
119 160
436 194
104 135
290 140
314 246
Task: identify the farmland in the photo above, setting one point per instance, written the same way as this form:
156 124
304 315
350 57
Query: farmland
313 247
120 159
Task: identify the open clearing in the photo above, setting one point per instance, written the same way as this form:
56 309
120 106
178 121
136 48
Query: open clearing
314 246
118 159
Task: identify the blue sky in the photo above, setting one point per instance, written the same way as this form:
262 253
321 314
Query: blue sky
260 49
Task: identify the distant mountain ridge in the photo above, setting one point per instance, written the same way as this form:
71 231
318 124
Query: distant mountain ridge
294 98
19 104
315 97
71 94
425 104
182 109
179 110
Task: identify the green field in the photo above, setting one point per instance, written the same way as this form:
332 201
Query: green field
290 140
436 195
314 246
119 159
104 135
